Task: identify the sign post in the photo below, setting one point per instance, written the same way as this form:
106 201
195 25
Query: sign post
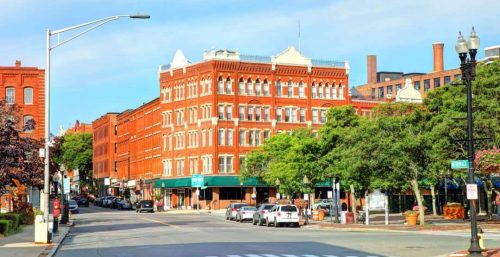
377 201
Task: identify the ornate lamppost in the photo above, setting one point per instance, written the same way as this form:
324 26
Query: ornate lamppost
468 68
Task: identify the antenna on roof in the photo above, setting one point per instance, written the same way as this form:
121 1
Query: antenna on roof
299 33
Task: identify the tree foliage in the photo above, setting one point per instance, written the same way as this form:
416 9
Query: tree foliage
76 153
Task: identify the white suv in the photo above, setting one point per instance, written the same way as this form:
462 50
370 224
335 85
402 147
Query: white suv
283 214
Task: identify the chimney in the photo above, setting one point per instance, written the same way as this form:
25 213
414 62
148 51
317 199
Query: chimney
372 69
18 63
438 56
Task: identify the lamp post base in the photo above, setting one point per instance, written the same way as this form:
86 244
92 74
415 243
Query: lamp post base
474 249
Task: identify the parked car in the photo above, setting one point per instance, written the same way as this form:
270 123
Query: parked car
283 214
98 201
82 201
245 213
125 205
323 203
115 202
260 216
145 205
107 201
73 206
233 209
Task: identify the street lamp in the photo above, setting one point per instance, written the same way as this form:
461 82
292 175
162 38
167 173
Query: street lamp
468 68
305 180
93 25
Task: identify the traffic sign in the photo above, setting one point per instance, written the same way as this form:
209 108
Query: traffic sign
471 191
197 180
460 164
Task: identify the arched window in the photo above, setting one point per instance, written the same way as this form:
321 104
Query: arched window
301 90
313 90
241 87
229 86
327 91
341 92
320 90
290 88
334 91
28 95
266 88
278 88
249 87
220 87
257 87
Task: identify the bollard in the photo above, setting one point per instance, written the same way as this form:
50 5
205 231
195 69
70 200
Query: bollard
480 236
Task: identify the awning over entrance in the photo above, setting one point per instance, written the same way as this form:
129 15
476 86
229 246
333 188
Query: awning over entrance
210 181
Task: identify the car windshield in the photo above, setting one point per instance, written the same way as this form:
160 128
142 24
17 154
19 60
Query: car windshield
268 207
147 202
237 206
72 202
289 208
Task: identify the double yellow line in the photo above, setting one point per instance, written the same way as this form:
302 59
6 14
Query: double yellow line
163 223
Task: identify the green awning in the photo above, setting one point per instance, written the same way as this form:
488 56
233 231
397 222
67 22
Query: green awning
148 181
173 183
210 181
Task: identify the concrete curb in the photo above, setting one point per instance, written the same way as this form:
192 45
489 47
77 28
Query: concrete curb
52 249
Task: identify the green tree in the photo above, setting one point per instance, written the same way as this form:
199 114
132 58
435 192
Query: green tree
487 162
76 153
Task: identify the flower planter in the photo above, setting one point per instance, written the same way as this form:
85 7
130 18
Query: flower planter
411 219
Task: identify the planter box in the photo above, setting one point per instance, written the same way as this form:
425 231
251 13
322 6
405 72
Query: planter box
451 213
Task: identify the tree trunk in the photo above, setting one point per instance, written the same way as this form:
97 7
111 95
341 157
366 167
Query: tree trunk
354 203
488 188
416 190
433 193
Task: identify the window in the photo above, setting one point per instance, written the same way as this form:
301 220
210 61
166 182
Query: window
28 95
315 116
341 92
313 91
257 113
302 115
327 91
241 87
242 113
290 89
242 162
229 137
447 80
249 87
220 87
416 84
320 91
334 92
29 124
373 93
250 113
221 137
207 164
257 138
229 86
381 92
266 88
10 95
287 114
266 113
278 114
302 93
167 168
457 76
179 167
294 114
210 137
221 112
193 166
323 116
267 133
278 88
225 164
229 112
203 138
241 137
251 138
389 90
257 87
230 193
427 85
437 82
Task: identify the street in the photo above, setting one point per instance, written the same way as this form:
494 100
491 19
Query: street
107 232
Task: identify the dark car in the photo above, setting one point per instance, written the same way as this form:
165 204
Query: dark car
125 205
82 201
115 203
145 205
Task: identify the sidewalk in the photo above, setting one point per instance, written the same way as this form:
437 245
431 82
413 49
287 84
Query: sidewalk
22 244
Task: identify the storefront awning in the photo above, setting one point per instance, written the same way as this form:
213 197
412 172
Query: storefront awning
210 181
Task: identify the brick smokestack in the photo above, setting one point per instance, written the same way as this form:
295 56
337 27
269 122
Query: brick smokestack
18 63
438 56
372 69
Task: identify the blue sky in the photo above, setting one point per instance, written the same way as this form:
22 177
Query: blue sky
115 67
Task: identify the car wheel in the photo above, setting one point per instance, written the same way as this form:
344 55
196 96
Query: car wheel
267 223
227 217
276 223
241 220
297 224
254 222
261 222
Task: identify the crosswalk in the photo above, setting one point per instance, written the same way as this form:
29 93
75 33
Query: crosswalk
292 255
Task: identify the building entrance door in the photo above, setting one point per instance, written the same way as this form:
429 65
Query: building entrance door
166 198
180 198
262 195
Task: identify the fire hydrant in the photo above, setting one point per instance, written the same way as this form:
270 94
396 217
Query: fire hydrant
480 236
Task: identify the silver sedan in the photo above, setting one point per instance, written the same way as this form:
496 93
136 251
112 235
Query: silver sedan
245 213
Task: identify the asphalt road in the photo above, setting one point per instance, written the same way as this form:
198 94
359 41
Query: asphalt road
100 232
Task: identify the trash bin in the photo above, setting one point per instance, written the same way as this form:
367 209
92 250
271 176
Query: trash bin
42 235
342 217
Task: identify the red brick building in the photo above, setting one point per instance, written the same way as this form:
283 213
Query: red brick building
80 127
385 85
209 115
25 87
103 149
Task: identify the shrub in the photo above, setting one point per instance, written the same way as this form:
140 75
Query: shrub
27 214
14 217
5 227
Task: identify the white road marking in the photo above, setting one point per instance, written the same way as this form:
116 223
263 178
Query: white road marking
233 256
330 255
270 255
289 255
252 255
309 255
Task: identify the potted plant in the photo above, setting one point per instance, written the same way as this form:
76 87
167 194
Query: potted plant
159 201
411 217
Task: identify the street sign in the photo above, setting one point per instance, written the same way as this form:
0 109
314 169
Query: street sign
471 192
197 180
330 194
459 164
67 186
